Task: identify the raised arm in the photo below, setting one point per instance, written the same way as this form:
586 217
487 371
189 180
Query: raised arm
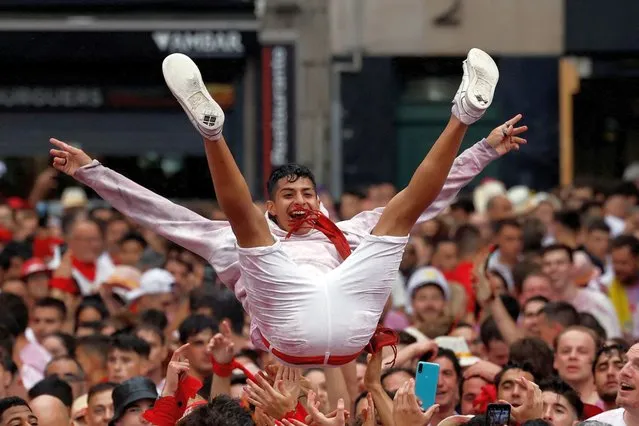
212 240
465 167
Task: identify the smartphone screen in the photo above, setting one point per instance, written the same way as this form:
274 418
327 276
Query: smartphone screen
426 380
498 415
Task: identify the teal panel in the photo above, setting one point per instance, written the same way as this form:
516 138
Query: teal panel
419 124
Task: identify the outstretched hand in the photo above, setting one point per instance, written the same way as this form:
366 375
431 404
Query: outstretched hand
505 138
67 158
221 346
533 406
406 409
178 367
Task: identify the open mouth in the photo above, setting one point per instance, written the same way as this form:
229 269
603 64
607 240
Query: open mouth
626 386
297 214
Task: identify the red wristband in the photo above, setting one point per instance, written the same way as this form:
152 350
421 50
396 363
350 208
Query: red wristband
222 370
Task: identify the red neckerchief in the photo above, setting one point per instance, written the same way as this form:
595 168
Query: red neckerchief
317 220
488 395
88 269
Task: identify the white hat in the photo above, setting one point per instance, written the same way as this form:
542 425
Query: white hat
484 192
73 197
428 275
460 347
153 281
521 198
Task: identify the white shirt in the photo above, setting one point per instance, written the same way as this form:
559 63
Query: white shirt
215 241
612 417
598 305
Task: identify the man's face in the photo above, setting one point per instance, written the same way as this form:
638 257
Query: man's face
499 208
115 231
317 380
85 241
532 312
67 370
133 413
557 265
158 350
628 395
535 285
607 369
54 345
445 257
548 330
350 205
180 272
597 243
6 216
625 265
394 381
17 288
545 212
509 388
100 409
498 352
19 415
574 356
288 198
130 253
471 388
447 395
124 365
5 382
164 302
428 303
38 285
557 410
15 265
46 320
196 353
510 241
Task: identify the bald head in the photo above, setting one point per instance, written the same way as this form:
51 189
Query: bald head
85 240
50 411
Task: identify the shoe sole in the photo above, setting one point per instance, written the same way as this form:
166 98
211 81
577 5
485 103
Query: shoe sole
198 96
483 78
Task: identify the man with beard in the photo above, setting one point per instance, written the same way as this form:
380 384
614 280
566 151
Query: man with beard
608 363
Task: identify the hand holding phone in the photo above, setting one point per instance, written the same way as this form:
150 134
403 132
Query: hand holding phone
498 415
426 380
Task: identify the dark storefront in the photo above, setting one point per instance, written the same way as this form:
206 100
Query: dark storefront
98 83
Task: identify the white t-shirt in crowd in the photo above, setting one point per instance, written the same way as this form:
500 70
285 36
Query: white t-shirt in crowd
612 417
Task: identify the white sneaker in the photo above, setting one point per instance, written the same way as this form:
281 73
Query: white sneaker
475 93
185 82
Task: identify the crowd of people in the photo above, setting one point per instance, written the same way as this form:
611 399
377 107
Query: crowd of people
143 312
95 305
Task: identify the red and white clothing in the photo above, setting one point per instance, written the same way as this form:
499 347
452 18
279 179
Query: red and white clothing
301 296
86 277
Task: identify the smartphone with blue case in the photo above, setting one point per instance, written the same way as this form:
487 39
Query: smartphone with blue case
426 383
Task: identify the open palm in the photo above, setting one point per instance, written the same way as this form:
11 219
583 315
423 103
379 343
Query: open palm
505 137
67 158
